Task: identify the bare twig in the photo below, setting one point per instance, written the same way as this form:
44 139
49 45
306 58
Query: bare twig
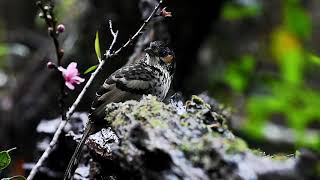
9 150
107 56
115 35
140 29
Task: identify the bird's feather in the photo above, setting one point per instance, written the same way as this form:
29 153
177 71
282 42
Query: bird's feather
73 163
111 94
127 83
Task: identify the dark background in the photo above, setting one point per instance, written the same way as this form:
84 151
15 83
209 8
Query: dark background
258 58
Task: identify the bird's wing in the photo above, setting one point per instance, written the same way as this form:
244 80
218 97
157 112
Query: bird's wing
127 83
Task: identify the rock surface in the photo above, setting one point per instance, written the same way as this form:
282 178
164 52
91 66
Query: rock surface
148 139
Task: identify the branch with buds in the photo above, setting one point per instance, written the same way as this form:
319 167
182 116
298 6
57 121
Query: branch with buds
71 75
54 30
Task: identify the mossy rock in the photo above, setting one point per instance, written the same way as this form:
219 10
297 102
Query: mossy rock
161 141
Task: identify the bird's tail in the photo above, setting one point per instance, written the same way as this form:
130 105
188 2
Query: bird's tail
73 163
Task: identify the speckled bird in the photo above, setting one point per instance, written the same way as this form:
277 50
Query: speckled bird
152 74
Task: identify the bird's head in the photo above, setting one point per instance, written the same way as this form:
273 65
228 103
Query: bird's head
161 50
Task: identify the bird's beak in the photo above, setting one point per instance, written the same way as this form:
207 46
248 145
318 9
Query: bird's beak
168 59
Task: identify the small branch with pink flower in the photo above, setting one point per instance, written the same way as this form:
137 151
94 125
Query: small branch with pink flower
70 75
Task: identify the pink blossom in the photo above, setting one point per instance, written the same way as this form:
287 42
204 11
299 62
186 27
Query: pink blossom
71 75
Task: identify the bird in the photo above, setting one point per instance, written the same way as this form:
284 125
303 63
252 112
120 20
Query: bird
152 74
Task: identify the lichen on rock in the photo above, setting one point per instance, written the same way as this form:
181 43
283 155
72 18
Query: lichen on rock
161 141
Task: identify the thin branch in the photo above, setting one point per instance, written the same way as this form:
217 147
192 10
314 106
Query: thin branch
107 56
140 29
48 150
115 36
48 16
111 29
9 150
77 101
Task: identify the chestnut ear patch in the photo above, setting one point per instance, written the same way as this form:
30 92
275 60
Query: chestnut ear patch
167 59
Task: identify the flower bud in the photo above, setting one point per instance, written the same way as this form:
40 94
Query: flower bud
49 17
41 15
165 13
38 3
51 65
61 28
46 8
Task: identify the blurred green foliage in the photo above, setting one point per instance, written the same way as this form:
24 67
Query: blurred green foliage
4 49
237 74
298 105
286 49
314 59
233 11
288 94
65 7
296 18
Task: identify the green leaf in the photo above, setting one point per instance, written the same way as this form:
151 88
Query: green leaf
14 178
5 158
315 59
92 68
97 46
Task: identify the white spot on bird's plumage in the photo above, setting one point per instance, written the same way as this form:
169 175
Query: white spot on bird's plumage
137 84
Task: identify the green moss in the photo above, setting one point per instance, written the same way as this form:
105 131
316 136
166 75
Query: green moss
207 105
198 146
158 123
184 123
118 121
193 147
197 100
184 116
258 152
280 157
156 106
215 134
236 145
185 147
297 154
142 113
146 111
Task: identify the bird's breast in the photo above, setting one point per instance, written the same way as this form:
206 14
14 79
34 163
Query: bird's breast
162 85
